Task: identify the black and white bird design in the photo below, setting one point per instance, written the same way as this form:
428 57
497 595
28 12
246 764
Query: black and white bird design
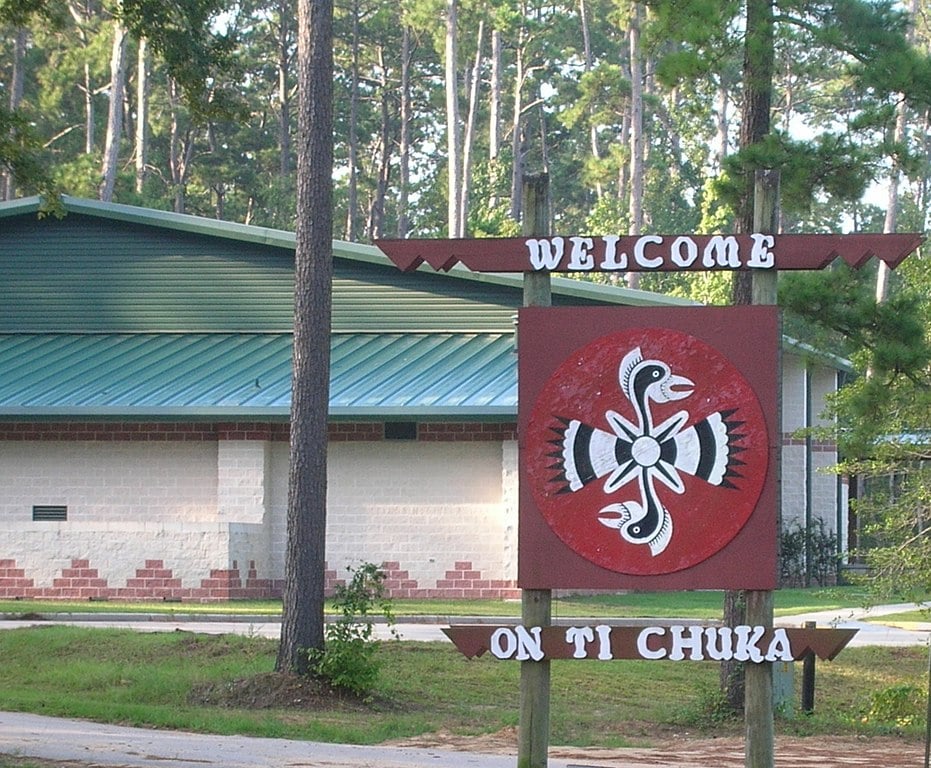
646 452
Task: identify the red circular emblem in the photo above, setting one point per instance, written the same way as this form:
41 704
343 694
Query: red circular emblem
646 451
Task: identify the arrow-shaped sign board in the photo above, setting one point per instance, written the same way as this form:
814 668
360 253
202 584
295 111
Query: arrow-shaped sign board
648 641
650 253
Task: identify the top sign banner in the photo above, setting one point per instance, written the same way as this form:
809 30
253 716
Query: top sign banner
650 253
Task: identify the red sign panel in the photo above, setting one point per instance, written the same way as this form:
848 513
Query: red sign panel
649 448
650 253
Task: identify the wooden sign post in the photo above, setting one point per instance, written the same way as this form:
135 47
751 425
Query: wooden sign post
637 427
536 604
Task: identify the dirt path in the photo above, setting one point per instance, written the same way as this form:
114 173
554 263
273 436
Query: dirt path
813 752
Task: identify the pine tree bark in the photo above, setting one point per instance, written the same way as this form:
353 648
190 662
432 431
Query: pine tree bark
142 113
115 113
16 96
404 166
469 138
453 133
635 207
284 93
758 68
302 626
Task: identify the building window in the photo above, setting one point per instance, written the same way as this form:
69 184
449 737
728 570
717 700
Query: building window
49 512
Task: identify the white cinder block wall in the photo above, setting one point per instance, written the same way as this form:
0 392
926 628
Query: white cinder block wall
199 511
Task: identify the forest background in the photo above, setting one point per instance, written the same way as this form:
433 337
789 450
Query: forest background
442 107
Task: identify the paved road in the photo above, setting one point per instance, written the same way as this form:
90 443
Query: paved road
50 738
98 745
429 629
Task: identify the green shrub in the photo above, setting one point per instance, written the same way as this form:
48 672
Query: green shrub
348 660
898 706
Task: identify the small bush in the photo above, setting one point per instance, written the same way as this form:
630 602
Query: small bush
348 661
817 542
711 710
898 706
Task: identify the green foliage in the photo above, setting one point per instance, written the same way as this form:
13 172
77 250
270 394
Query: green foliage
807 555
489 213
710 710
200 59
21 154
20 13
831 164
897 706
349 659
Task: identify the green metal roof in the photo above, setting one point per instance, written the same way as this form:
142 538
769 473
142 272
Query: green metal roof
249 375
118 311
108 268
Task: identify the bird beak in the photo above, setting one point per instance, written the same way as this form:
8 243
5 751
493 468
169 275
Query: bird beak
678 387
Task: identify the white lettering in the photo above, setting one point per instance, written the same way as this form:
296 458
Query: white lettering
545 254
529 644
519 643
747 638
503 651
579 636
691 252
680 643
611 260
640 252
718 644
780 649
604 642
643 647
722 252
761 254
581 257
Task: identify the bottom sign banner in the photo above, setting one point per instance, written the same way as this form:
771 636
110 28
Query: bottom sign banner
672 643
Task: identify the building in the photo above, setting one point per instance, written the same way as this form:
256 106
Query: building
144 403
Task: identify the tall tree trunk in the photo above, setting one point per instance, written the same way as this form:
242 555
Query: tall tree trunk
404 172
890 221
377 210
494 96
111 153
720 145
16 96
179 150
351 231
142 114
892 193
635 209
517 157
302 627
588 63
284 94
88 91
453 134
758 68
469 139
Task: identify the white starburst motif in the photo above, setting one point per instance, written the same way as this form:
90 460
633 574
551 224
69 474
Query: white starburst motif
647 453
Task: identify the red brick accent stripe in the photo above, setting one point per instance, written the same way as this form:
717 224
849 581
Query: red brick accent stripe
156 582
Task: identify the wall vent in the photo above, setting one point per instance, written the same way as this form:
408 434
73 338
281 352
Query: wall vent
49 512
400 430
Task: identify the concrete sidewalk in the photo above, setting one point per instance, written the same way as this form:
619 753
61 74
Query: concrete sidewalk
50 738
871 630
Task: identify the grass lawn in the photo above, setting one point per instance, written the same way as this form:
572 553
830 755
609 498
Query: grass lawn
158 680
695 605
